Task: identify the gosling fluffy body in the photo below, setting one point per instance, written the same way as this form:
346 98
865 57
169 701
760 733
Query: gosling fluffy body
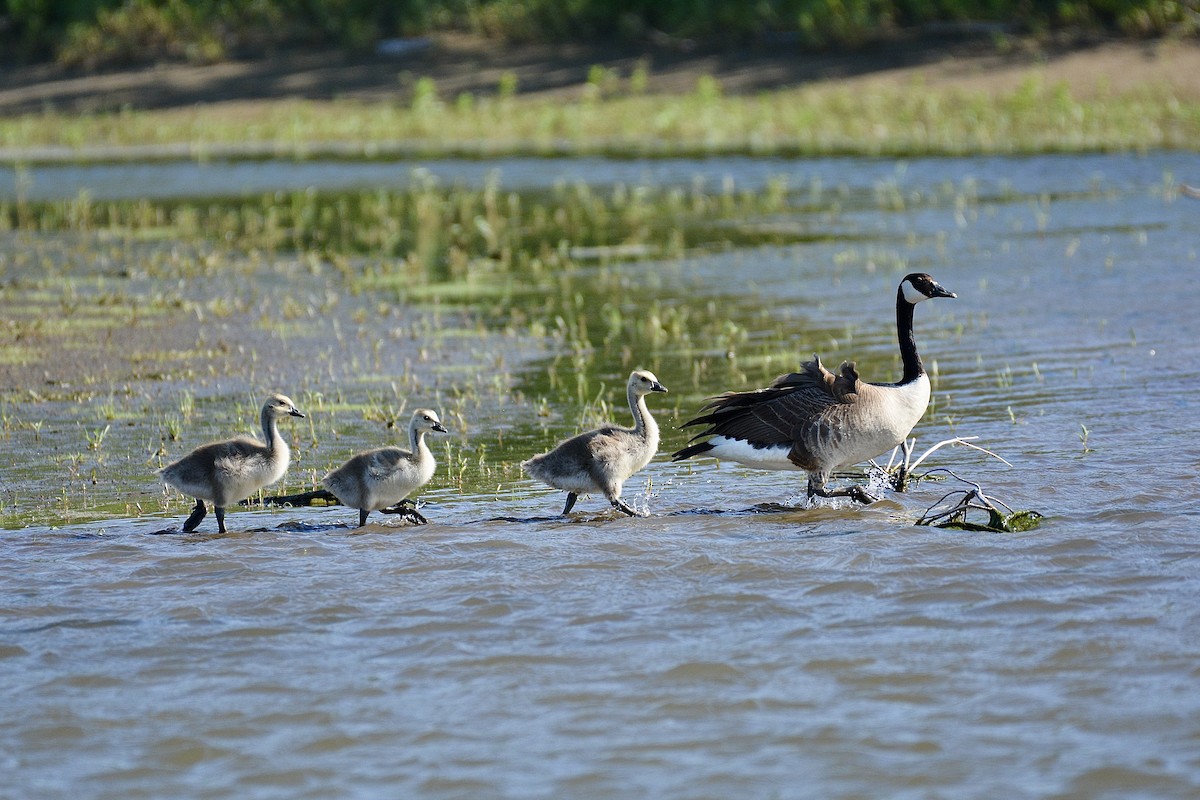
229 471
377 480
601 460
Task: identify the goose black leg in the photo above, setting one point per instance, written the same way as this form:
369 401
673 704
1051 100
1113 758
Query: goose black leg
220 518
856 493
571 498
362 516
198 514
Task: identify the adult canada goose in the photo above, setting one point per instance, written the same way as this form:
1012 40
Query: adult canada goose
816 422
230 471
377 480
601 460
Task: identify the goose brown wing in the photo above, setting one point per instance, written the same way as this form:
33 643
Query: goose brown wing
842 387
801 408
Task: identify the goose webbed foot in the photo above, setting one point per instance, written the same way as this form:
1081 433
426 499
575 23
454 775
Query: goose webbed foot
198 514
623 507
855 493
407 509
861 495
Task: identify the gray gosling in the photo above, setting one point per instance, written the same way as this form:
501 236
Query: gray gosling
815 421
378 480
228 472
601 460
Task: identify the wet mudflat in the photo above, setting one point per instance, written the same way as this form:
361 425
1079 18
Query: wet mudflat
705 651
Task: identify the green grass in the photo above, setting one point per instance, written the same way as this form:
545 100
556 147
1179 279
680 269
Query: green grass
822 119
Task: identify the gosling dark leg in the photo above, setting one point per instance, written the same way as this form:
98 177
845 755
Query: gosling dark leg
408 509
220 519
571 498
621 506
362 516
198 514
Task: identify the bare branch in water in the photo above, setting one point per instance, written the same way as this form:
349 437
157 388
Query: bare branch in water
899 474
317 497
952 509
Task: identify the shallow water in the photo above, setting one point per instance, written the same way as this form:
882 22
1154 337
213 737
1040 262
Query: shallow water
186 179
829 652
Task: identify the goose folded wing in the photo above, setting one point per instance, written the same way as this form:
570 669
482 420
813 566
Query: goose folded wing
384 463
842 387
766 416
820 438
234 454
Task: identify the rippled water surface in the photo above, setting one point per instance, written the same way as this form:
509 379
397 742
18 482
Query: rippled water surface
708 650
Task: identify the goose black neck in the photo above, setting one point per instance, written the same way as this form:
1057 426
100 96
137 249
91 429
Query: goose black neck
913 368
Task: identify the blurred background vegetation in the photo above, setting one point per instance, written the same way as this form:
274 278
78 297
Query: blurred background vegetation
94 34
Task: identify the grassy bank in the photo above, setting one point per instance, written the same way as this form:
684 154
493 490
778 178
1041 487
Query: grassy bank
821 119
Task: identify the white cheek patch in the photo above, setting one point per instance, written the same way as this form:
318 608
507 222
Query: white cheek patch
912 294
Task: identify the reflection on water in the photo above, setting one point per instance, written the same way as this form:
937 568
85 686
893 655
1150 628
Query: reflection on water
826 652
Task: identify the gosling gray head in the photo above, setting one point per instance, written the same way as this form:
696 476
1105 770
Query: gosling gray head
643 382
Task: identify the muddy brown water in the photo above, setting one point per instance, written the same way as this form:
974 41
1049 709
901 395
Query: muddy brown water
704 651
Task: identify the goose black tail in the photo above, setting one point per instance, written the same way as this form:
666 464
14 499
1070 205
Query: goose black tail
691 450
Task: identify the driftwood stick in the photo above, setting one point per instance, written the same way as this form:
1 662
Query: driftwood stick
317 497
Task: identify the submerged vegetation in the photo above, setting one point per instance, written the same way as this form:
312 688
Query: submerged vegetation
130 325
955 508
